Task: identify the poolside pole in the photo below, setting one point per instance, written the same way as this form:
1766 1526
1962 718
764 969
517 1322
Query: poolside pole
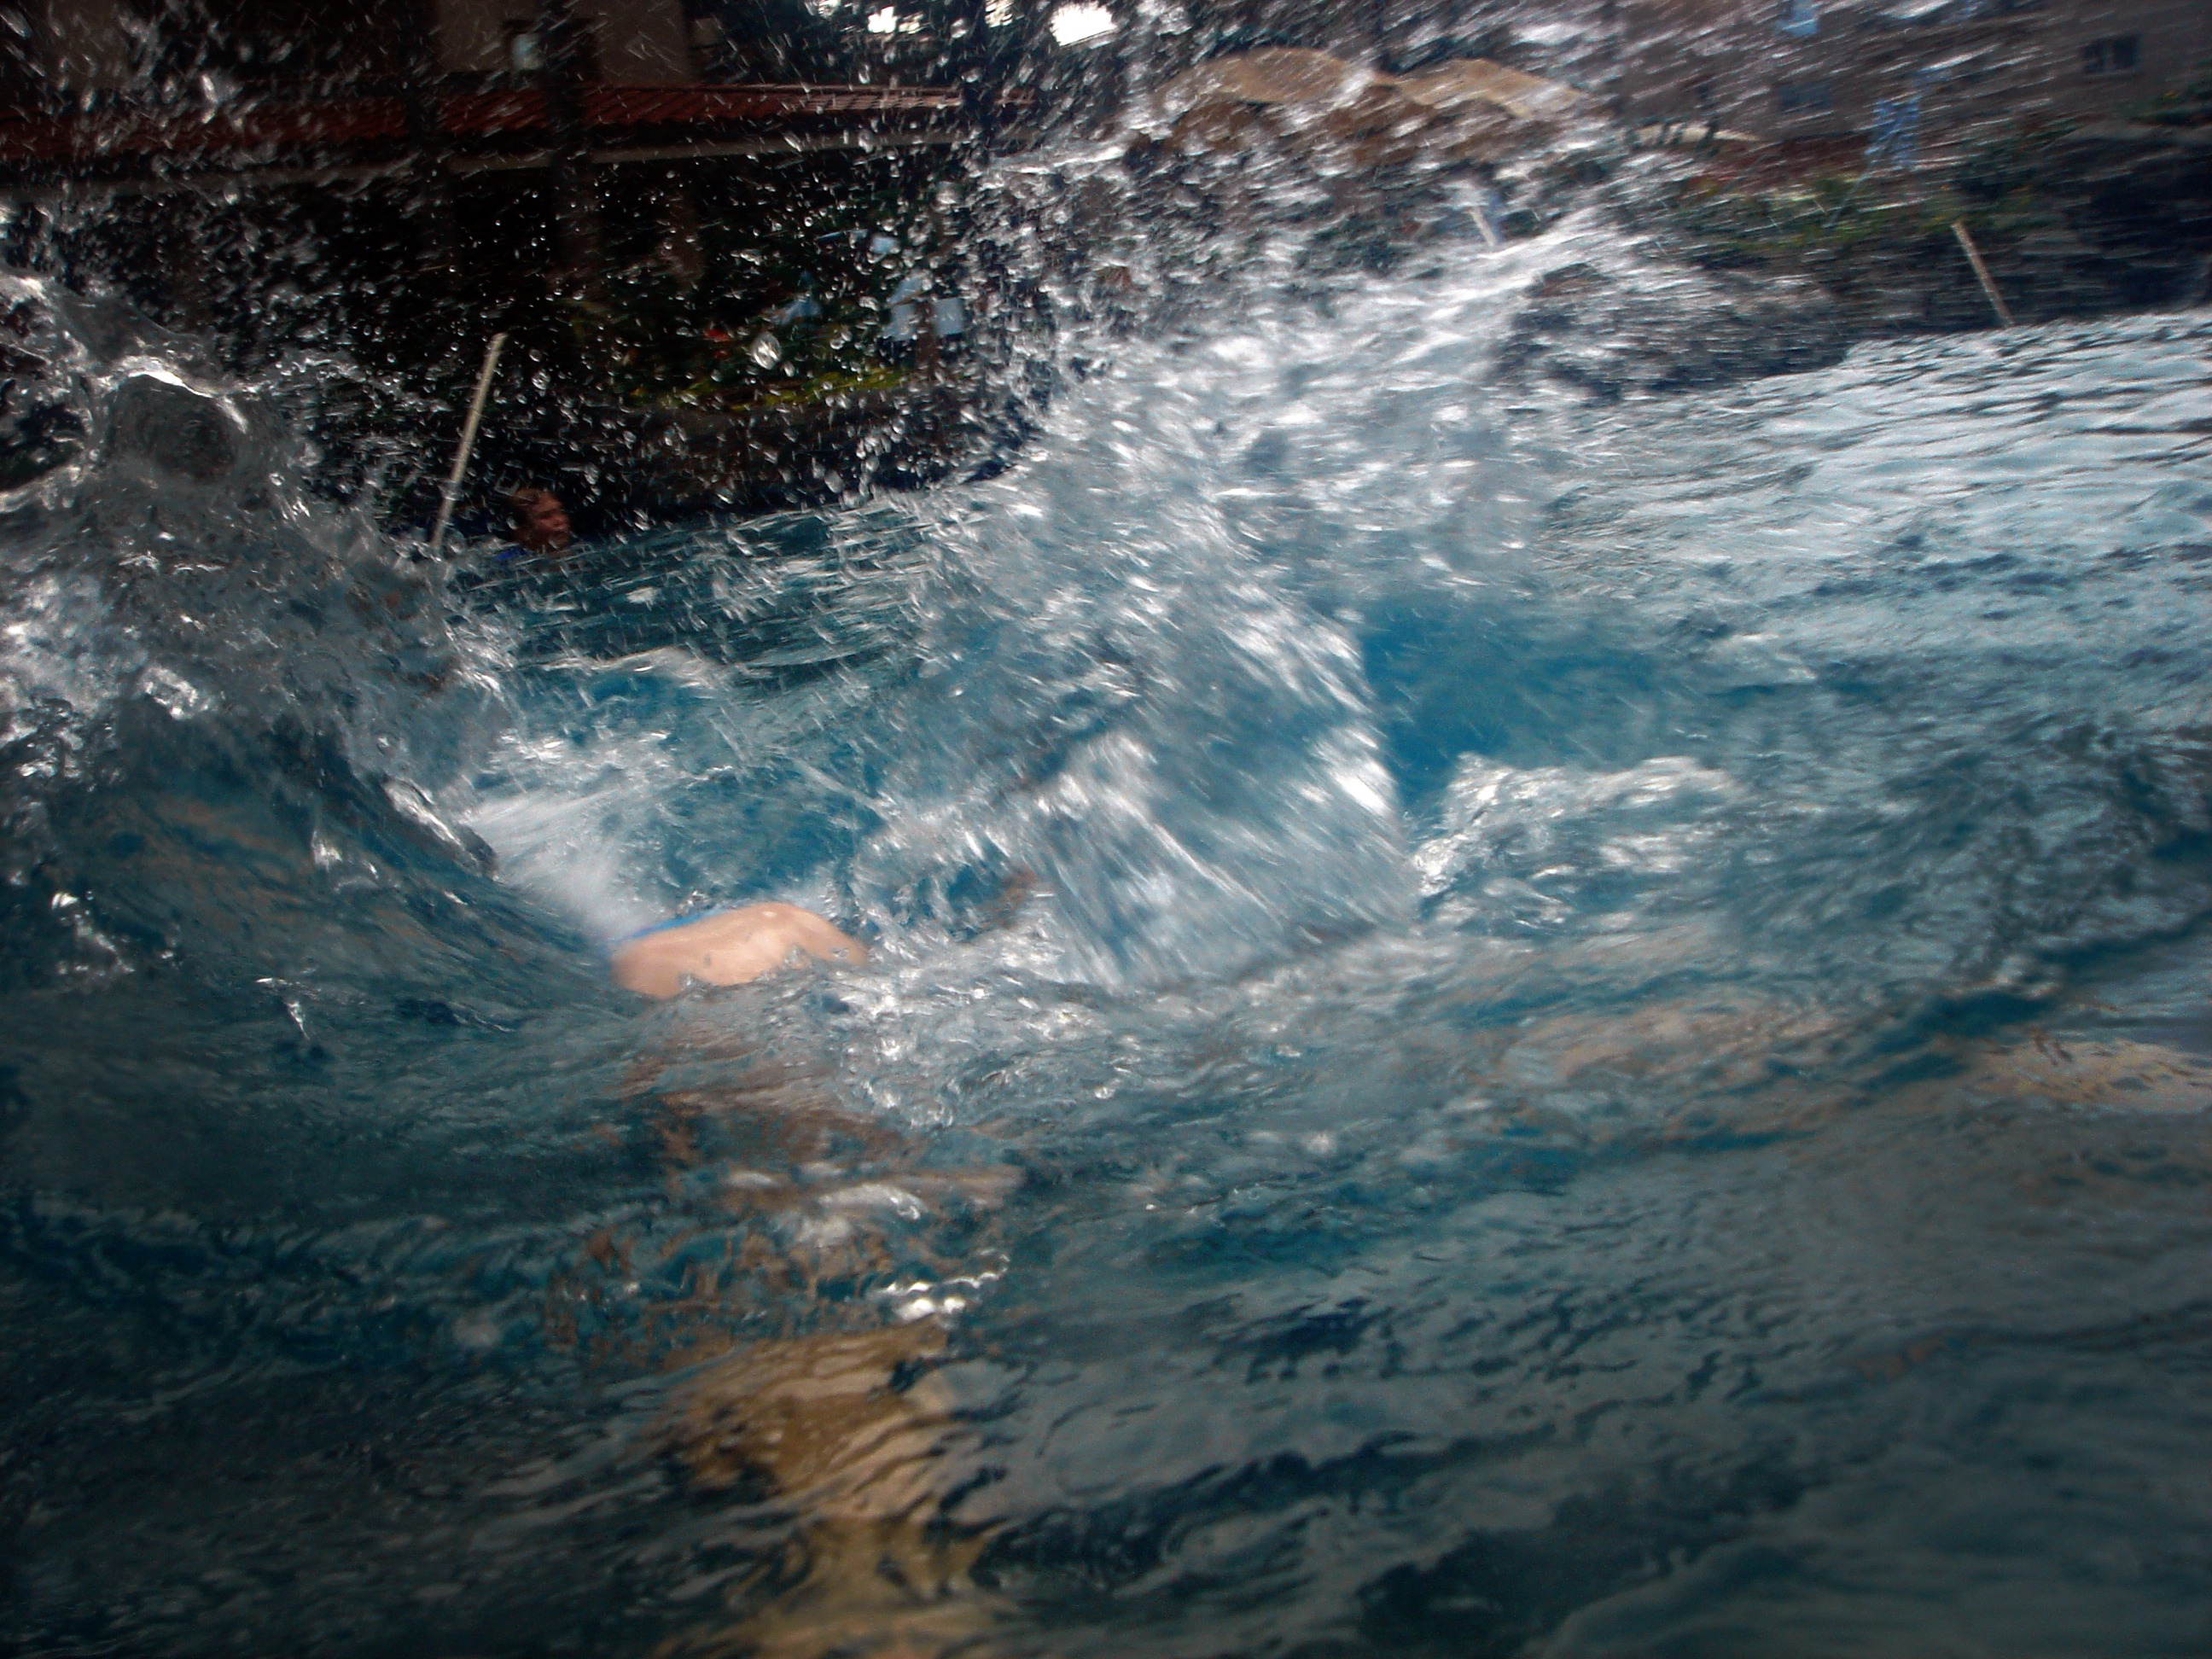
1974 259
452 490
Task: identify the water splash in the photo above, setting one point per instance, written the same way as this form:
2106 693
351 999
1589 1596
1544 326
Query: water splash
1449 1027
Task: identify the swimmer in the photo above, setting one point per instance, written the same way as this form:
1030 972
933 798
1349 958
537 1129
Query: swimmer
854 1428
728 947
540 523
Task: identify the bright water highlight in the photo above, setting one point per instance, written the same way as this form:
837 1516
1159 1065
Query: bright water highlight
1495 1026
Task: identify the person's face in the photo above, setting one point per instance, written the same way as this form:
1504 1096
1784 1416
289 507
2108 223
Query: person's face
544 528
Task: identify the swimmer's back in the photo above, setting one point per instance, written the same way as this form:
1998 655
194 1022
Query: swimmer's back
729 947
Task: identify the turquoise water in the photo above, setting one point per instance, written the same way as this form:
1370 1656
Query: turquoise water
1494 1026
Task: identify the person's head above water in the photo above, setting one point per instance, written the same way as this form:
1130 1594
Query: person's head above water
540 522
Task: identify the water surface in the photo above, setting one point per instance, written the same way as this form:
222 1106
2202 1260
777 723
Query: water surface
1495 1026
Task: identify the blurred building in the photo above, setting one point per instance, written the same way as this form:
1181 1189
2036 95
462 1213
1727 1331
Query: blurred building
405 158
75 46
1900 71
66 49
630 42
103 96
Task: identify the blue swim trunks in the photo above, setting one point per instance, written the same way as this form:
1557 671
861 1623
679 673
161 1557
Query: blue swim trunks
673 921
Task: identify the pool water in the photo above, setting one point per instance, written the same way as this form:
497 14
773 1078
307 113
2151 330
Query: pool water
1495 1026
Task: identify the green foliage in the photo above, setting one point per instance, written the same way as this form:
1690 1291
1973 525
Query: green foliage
1997 189
2186 106
728 340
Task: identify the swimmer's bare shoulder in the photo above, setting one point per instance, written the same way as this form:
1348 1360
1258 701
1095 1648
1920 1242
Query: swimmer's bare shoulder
732 947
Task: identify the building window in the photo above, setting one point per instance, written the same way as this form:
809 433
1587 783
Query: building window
1893 135
1799 17
1803 97
1081 23
524 54
2118 56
